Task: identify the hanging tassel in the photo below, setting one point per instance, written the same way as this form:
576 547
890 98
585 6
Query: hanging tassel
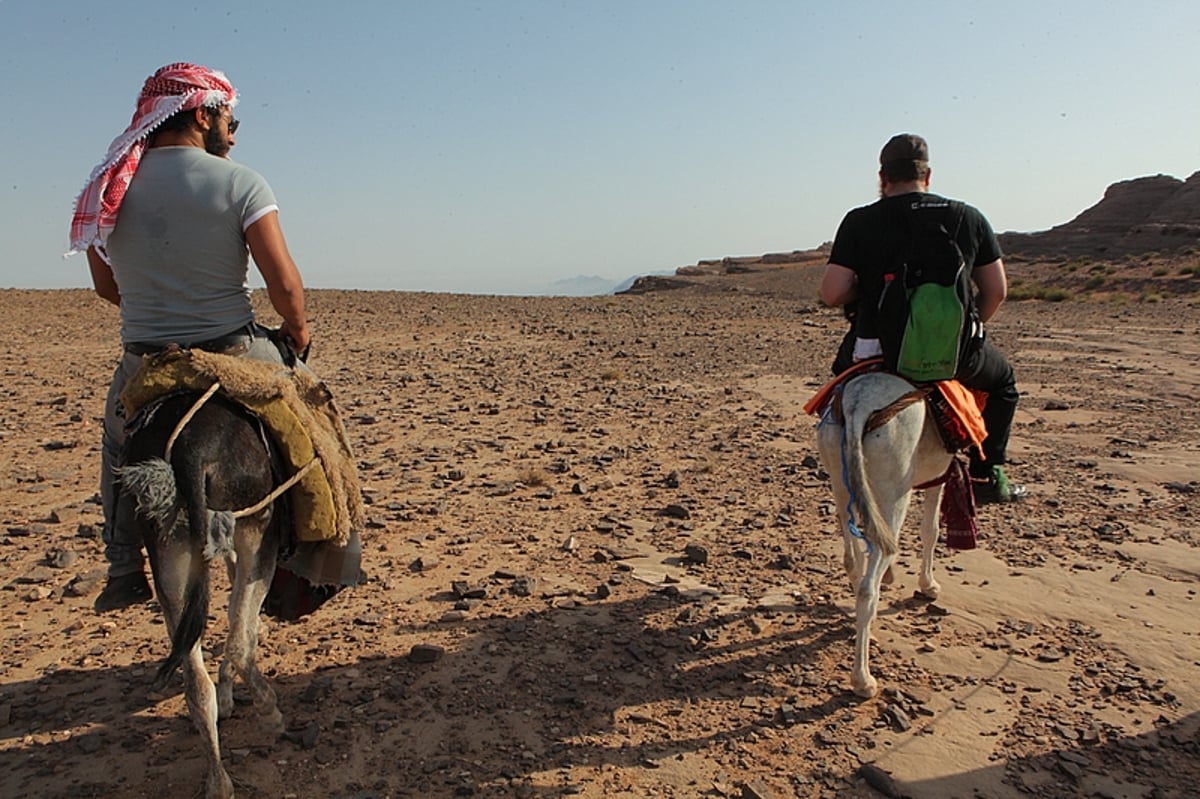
958 508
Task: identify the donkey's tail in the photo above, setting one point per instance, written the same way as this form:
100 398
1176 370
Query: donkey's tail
192 623
875 527
154 486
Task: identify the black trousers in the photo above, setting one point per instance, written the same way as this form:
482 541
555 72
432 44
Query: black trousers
987 370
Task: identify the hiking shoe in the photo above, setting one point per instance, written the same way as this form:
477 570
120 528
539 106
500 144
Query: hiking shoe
121 592
995 489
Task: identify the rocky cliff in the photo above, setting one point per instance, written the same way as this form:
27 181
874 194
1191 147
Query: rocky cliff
1144 215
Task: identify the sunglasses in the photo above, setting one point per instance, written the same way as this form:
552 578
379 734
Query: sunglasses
231 121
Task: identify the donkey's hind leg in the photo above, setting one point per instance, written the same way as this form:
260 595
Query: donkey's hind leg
254 572
171 564
866 605
893 503
201 697
928 586
226 673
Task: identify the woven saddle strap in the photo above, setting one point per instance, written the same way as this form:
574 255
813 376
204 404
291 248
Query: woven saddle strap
885 414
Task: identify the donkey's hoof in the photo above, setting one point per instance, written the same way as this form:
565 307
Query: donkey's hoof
219 785
866 688
272 721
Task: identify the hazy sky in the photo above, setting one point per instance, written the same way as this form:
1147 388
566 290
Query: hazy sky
497 146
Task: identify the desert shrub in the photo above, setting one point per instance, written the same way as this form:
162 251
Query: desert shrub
532 478
611 374
1094 268
1160 271
1022 291
1150 296
1036 291
1094 282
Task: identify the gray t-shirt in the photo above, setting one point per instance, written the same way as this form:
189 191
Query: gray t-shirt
178 250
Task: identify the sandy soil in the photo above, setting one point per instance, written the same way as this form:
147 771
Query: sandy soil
530 448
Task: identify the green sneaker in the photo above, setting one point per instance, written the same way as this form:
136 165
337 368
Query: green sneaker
996 489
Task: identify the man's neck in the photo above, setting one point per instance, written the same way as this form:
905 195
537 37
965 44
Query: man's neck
177 138
907 187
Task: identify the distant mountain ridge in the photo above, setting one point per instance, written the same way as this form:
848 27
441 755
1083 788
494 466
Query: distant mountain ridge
590 286
1154 214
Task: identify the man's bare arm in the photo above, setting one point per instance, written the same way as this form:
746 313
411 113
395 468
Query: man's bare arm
839 285
102 277
284 285
992 283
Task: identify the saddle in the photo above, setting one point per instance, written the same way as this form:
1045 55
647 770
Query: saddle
955 409
298 412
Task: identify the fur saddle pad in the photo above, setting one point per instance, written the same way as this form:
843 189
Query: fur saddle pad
957 409
294 406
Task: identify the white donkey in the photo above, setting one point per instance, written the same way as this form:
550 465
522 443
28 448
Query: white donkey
874 461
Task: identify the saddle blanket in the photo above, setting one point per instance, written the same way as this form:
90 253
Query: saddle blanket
964 404
299 412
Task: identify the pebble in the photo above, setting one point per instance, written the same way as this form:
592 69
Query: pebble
83 586
676 511
61 558
879 779
756 789
426 653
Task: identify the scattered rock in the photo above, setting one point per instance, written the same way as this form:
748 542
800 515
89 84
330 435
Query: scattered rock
83 586
756 789
61 558
426 653
424 563
879 780
675 511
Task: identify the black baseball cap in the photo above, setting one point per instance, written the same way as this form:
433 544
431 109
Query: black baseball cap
904 147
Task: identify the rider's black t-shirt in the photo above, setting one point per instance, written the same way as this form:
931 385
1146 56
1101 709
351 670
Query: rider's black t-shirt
872 239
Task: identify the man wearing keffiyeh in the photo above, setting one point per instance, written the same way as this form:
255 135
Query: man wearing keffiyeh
168 223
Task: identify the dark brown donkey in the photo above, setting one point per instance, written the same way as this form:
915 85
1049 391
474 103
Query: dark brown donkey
192 489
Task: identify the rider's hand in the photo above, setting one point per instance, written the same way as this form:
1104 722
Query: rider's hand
297 337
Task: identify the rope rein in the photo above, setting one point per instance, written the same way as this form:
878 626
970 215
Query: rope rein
187 417
269 498
284 486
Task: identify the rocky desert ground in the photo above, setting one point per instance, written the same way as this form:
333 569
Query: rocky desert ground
603 563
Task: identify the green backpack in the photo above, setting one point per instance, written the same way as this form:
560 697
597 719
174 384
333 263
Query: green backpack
927 316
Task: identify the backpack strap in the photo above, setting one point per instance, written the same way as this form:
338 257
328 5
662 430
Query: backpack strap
958 210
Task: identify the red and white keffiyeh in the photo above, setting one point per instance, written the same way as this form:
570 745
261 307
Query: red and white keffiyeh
173 88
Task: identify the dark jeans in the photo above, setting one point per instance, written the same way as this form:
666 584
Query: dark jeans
985 370
845 354
988 370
